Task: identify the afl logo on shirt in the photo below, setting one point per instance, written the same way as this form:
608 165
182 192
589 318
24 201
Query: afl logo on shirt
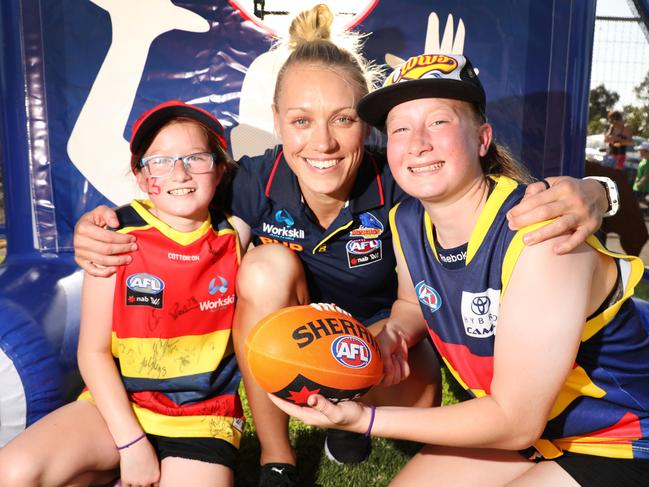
363 252
428 296
144 290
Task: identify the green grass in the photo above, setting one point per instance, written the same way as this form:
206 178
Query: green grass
386 459
642 290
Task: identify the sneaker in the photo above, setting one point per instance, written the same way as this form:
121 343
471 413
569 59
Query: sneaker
345 447
278 475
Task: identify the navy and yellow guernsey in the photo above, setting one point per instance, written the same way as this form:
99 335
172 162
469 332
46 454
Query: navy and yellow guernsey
603 407
172 321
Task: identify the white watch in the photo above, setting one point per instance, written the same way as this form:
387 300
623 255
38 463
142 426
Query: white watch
611 194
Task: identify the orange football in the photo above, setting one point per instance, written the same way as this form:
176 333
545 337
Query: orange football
318 348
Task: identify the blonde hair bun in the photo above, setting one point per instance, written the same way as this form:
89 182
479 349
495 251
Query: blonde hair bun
311 25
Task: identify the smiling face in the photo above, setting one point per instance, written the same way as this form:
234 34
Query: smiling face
434 147
181 199
321 132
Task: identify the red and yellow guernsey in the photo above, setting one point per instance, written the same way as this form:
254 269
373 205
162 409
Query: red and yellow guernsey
172 321
603 407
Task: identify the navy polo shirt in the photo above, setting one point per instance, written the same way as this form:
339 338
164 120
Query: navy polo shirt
352 262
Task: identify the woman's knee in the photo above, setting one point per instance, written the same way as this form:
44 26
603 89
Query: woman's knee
18 468
270 271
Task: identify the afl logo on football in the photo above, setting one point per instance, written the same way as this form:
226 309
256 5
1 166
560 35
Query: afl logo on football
351 352
145 283
428 296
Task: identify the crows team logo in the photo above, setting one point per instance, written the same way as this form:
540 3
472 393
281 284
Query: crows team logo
144 289
370 227
422 67
351 351
428 296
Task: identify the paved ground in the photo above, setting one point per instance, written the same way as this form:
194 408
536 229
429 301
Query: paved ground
613 243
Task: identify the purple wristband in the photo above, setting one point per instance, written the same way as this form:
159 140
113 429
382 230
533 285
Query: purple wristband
372 413
136 440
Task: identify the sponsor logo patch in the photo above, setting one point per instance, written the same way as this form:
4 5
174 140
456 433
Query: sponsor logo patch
183 257
351 351
284 217
363 252
220 286
144 289
480 312
283 232
428 296
423 67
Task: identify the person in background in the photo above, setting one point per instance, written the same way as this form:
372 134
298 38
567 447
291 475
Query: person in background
641 183
550 347
308 205
158 409
618 137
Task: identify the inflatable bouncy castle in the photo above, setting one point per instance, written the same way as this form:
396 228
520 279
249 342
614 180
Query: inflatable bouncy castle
74 74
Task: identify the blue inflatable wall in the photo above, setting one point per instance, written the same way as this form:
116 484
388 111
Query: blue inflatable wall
75 73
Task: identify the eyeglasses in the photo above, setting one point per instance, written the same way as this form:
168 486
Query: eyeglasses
163 166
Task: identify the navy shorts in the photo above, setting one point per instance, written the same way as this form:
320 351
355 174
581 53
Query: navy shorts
209 450
595 471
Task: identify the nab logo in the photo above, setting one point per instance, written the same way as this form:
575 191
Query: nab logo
351 352
362 247
284 217
145 283
428 296
222 287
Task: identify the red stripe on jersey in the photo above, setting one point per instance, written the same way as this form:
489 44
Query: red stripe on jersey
476 372
272 174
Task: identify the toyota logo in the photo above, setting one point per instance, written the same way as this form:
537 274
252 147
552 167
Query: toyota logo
480 305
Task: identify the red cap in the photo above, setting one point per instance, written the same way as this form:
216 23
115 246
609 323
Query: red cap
153 119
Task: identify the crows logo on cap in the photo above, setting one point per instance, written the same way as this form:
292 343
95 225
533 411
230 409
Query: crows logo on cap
422 67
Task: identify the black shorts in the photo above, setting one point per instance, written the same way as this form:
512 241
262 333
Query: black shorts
594 471
209 450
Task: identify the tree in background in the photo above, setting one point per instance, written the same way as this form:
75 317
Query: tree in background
637 117
601 102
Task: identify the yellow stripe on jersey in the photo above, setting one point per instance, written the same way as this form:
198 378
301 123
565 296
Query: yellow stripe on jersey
396 238
603 447
330 236
167 358
189 426
504 187
577 384
477 392
428 225
225 428
631 271
143 208
513 252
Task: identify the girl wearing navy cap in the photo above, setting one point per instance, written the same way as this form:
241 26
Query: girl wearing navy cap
551 348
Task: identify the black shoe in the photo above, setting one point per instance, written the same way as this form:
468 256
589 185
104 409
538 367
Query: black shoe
345 447
278 475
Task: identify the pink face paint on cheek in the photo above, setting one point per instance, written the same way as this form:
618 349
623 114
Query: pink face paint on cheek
153 185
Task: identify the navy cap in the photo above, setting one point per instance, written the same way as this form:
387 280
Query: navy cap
424 76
